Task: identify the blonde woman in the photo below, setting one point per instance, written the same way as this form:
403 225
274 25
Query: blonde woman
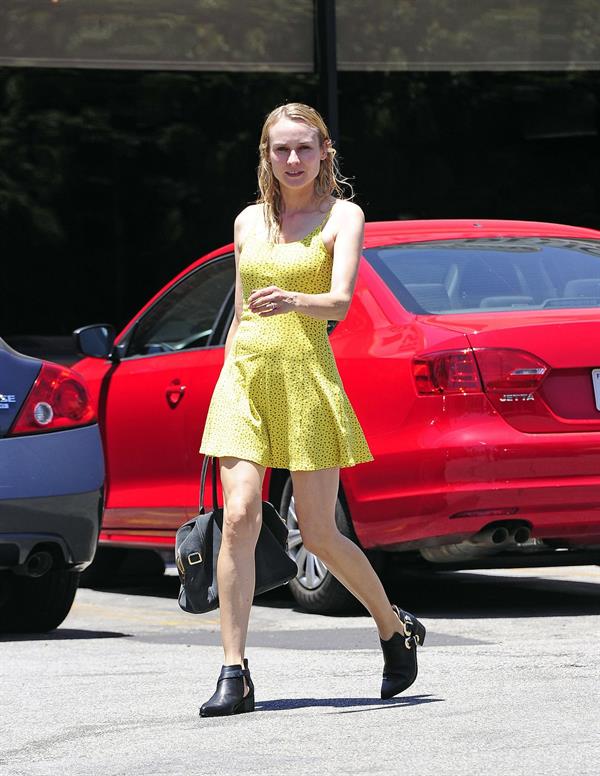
279 401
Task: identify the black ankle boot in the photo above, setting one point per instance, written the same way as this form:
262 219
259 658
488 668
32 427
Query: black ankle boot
249 681
229 696
400 655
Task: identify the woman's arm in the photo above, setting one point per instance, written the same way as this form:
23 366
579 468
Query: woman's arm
347 250
240 228
333 305
230 335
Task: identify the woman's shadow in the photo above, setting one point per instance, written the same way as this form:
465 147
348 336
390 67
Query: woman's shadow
345 705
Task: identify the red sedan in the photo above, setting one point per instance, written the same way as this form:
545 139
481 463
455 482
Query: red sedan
471 355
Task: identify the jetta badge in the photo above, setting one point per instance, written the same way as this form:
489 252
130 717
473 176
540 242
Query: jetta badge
6 399
517 397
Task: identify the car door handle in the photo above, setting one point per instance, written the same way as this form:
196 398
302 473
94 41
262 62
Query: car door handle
175 393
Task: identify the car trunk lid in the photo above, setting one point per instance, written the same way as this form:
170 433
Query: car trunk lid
540 370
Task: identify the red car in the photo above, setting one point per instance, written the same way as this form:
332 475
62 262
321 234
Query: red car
471 355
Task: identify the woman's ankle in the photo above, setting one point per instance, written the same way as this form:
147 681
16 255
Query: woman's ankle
392 625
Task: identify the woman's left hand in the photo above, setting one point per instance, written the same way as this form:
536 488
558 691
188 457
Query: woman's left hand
271 301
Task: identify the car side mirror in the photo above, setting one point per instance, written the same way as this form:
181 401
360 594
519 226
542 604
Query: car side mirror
96 340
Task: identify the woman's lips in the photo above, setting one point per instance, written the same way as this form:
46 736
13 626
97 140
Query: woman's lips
294 174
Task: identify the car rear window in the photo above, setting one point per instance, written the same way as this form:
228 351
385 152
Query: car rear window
491 274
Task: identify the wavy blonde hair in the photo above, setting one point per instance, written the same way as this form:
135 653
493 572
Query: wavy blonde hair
329 180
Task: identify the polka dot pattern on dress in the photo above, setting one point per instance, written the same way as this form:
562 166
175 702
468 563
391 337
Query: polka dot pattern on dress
279 399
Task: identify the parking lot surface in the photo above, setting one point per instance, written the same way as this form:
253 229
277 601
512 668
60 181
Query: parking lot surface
508 683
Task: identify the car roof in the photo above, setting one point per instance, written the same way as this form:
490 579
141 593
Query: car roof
379 233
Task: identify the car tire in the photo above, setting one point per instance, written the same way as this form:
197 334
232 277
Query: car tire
315 588
36 604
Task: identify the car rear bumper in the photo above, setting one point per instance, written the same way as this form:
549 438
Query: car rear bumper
51 492
68 522
570 513
448 483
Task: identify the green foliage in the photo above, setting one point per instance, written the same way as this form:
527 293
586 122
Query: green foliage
113 181
192 34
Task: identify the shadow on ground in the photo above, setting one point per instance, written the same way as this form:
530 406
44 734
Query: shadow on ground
345 705
63 634
432 594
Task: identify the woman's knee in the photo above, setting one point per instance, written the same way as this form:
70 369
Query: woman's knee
241 520
318 541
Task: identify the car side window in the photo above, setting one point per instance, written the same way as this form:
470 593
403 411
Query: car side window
186 315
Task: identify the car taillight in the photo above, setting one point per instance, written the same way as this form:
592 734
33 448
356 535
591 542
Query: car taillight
502 370
449 371
508 371
58 399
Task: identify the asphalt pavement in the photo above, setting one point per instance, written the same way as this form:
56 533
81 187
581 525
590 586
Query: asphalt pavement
508 684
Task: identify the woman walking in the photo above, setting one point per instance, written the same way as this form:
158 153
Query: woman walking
279 400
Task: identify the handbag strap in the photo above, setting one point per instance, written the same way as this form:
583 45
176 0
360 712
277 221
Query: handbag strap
203 482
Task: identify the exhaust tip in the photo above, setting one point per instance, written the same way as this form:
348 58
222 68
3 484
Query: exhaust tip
499 535
521 534
38 564
491 535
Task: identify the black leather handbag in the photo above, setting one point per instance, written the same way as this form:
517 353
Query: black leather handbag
197 545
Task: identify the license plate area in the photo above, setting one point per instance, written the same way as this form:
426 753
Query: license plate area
596 384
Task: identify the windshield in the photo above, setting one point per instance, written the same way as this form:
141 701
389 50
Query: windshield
491 274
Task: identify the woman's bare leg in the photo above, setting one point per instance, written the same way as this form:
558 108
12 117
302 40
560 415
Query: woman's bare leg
315 494
242 516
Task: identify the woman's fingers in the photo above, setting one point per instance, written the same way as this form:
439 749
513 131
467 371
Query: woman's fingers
261 293
265 300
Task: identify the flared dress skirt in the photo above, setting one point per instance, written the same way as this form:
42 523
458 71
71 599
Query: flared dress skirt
279 400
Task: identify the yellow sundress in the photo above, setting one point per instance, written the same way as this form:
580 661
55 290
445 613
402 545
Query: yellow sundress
279 400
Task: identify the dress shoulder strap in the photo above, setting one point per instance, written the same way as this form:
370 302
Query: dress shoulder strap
318 228
327 216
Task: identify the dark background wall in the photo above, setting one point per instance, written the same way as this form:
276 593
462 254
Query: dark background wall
111 181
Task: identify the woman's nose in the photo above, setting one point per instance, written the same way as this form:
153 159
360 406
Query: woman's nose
293 157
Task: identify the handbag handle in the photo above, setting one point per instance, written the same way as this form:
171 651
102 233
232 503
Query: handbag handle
203 482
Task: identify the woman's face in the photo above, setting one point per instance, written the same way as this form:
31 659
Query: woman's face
295 153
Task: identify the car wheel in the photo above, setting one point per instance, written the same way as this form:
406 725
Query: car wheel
36 604
315 588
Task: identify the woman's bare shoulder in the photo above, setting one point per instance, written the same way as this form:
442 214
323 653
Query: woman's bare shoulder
345 213
348 209
244 221
247 215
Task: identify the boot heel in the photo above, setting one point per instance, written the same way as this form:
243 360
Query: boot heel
247 704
